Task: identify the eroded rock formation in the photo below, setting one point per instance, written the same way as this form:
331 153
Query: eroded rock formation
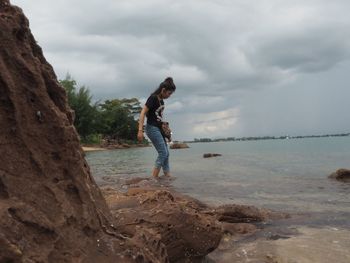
177 225
183 227
51 210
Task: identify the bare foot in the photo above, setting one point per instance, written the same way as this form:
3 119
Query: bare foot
155 172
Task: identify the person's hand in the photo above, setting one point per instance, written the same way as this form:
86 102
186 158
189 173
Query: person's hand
140 136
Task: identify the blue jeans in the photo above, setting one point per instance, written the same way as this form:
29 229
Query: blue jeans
159 143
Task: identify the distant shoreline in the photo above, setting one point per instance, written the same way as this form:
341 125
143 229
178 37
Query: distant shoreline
267 138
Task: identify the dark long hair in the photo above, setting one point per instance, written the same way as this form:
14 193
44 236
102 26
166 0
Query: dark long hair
167 84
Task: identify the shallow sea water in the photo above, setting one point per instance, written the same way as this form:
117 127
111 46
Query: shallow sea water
284 175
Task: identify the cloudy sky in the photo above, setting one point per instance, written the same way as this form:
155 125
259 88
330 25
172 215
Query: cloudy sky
241 67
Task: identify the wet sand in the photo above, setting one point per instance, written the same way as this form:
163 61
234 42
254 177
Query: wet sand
305 245
90 149
302 238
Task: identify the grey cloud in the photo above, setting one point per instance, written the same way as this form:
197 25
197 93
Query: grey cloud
222 54
310 51
215 120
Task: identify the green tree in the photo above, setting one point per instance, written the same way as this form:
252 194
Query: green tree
118 118
133 105
113 118
79 99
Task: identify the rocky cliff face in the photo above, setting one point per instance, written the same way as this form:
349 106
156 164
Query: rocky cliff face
50 207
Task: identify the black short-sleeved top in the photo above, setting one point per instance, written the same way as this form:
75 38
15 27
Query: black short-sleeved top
155 110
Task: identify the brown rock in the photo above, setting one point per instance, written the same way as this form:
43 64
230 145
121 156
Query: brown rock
184 225
51 209
208 155
176 224
341 175
179 145
245 214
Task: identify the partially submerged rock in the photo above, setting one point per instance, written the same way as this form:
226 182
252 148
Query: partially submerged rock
341 175
245 214
179 145
175 228
208 155
182 224
187 228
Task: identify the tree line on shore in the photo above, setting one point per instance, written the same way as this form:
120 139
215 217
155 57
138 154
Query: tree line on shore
111 120
267 138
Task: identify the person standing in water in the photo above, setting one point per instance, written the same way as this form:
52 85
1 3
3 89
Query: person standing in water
153 110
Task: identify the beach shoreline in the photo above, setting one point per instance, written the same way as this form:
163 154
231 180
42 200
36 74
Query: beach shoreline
98 147
93 148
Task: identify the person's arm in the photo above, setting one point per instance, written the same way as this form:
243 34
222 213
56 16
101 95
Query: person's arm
141 121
